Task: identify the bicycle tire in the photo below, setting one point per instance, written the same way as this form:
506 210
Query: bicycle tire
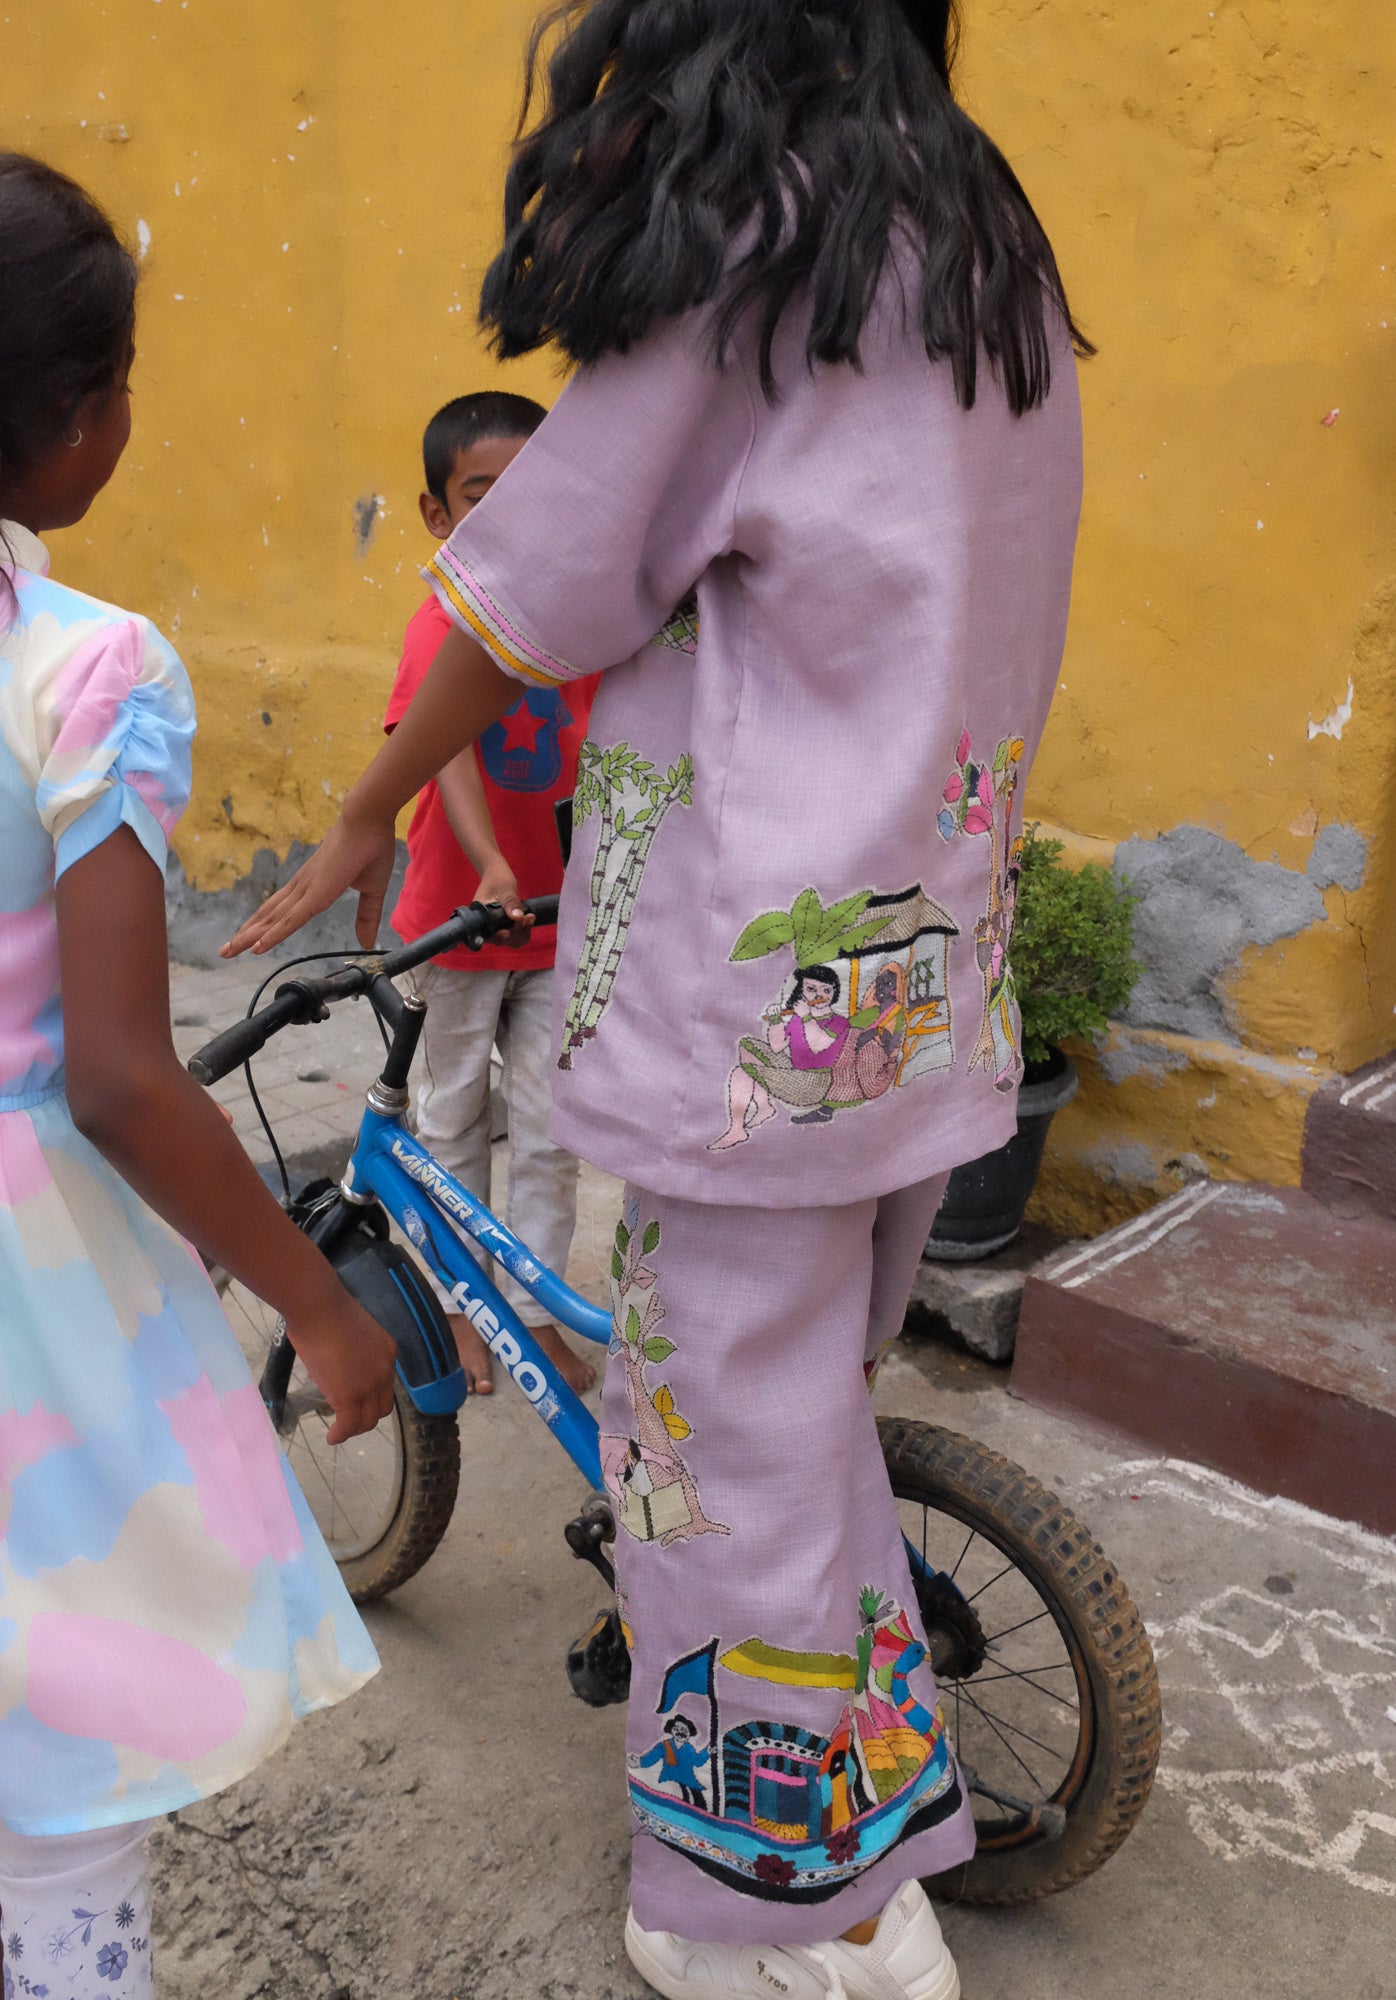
1116 1754
430 1481
420 1482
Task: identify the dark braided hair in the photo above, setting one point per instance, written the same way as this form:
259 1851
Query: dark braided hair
764 149
67 308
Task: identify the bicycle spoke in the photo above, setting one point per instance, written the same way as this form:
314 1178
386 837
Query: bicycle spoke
1012 1673
1019 1627
1005 1742
1027 1737
963 1553
1007 1570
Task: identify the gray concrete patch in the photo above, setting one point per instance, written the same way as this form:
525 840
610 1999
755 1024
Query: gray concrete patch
1203 901
1125 1055
977 1305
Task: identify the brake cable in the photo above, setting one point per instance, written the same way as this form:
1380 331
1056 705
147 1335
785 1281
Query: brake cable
287 965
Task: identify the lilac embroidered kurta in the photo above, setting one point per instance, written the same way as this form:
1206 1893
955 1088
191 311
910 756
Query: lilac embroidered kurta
832 627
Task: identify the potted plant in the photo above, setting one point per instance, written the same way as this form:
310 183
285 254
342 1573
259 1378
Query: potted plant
1073 969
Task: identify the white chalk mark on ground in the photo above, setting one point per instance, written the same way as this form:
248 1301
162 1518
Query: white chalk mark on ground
1294 1693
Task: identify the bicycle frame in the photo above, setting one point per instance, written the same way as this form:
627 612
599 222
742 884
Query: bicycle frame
390 1166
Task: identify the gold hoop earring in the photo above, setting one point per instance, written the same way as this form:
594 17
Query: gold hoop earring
74 442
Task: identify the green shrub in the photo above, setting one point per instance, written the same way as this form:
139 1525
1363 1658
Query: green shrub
1073 936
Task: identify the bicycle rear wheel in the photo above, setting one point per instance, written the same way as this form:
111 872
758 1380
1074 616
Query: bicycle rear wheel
1047 1678
382 1501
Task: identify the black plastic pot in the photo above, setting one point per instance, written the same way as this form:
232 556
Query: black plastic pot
986 1199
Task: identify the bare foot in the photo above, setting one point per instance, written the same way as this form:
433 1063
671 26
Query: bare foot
475 1357
735 1135
579 1375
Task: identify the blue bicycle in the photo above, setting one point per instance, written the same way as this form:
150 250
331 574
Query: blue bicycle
1047 1675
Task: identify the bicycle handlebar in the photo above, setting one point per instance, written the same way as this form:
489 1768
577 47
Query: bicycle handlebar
302 1000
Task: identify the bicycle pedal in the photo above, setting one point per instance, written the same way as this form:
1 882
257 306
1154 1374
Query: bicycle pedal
588 1535
598 1664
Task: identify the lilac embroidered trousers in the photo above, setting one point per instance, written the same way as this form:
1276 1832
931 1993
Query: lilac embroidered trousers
787 1763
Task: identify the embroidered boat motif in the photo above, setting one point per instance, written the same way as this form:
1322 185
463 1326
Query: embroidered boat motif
780 1811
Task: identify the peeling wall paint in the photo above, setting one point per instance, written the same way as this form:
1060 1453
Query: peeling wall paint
1202 901
1333 725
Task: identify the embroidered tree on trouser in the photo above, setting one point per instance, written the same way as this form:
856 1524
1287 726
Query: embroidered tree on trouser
633 800
670 1508
979 800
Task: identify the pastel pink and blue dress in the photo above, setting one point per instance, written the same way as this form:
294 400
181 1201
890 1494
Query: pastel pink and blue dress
167 1605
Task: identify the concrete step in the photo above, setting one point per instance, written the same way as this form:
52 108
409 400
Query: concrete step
1246 1328
1350 1142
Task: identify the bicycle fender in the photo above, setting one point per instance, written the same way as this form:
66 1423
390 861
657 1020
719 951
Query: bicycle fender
387 1284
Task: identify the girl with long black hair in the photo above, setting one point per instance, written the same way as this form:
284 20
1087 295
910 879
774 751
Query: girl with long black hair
809 502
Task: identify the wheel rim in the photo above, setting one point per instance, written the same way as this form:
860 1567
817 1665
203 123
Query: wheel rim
354 1490
1023 1721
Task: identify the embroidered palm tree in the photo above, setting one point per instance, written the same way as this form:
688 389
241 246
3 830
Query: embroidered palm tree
979 800
633 800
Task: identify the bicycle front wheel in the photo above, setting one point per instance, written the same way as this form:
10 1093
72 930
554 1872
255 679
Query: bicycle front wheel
382 1501
1047 1678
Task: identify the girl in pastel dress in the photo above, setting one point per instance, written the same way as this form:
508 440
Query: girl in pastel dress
167 1607
824 381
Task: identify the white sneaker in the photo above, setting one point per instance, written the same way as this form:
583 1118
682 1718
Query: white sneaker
684 1971
908 1959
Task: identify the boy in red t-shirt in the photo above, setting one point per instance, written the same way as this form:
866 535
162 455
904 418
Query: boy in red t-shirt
486 830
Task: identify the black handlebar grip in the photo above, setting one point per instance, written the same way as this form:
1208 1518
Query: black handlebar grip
234 1047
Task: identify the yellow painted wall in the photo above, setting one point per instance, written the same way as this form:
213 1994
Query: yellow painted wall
1219 182
320 187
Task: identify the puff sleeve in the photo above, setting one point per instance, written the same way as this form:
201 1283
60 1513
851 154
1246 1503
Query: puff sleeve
610 514
116 724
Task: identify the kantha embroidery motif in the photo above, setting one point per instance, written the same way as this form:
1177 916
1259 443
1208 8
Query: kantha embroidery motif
883 961
979 800
656 1495
633 800
779 1811
680 635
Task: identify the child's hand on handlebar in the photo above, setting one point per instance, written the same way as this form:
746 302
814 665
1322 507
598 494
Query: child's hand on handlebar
497 885
355 854
351 1361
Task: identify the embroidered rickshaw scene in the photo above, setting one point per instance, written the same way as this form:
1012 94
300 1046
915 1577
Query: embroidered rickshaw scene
772 1808
866 1010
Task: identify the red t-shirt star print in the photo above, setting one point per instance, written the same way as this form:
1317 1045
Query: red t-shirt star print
528 760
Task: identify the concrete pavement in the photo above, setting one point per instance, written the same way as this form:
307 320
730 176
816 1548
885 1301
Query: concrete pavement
458 1831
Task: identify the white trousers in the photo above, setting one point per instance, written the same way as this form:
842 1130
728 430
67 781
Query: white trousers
75 1914
468 1013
